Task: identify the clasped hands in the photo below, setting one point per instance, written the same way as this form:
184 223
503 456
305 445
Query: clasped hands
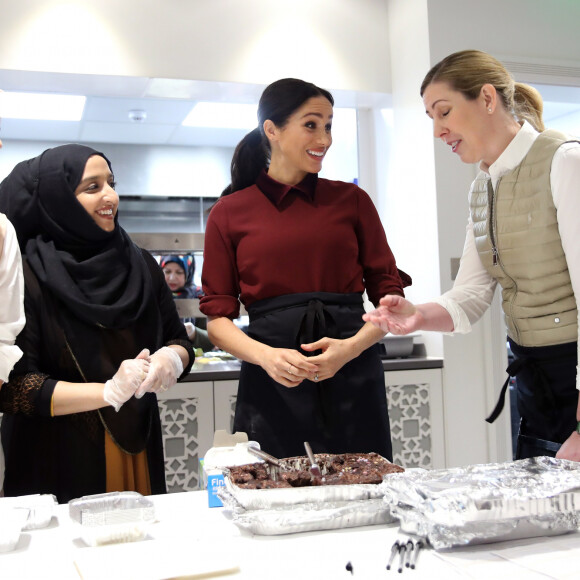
146 373
290 367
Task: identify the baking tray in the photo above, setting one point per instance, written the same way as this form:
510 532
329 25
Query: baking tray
487 503
307 517
255 499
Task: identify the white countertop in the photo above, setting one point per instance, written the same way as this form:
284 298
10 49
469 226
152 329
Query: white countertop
191 537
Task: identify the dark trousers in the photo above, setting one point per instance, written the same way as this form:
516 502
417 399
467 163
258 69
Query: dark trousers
547 397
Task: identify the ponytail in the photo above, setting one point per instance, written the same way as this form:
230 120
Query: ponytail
250 157
528 105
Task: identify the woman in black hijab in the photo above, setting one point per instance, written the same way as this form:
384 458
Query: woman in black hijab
96 305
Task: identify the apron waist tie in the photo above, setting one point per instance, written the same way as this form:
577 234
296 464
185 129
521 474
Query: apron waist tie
540 385
316 322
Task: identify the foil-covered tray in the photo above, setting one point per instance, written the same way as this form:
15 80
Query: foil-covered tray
307 517
259 499
488 502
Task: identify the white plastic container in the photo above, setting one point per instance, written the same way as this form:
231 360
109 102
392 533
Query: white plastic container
110 518
12 520
40 507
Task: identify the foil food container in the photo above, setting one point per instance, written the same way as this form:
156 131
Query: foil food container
257 499
112 517
307 517
487 503
321 506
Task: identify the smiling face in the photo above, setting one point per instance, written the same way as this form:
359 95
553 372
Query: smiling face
174 276
96 193
299 147
461 123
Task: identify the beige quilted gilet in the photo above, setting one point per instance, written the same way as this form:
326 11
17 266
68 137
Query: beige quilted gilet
516 235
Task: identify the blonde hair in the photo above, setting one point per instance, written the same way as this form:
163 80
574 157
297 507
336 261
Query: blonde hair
468 70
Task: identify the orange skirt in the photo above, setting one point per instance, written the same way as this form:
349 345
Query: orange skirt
126 472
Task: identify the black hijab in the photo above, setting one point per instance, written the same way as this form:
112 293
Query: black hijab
100 276
99 280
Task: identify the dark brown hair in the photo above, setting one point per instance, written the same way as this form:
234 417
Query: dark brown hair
277 103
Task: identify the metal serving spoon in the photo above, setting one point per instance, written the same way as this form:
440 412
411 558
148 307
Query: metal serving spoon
314 469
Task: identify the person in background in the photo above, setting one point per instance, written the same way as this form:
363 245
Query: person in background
11 308
179 271
298 251
102 336
521 234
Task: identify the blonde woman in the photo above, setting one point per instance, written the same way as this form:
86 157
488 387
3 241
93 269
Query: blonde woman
521 234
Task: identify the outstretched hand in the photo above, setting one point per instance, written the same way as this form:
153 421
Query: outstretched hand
396 315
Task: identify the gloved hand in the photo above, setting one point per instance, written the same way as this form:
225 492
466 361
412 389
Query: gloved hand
166 367
190 329
126 380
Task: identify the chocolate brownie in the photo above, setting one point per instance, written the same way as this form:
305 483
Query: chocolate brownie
337 469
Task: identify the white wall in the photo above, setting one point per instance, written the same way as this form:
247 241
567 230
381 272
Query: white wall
533 30
341 44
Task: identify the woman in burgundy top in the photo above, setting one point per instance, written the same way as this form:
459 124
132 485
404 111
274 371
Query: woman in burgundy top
298 251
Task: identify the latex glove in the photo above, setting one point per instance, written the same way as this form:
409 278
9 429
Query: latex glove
166 367
126 380
190 329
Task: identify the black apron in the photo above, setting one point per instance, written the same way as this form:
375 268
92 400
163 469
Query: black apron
346 413
547 397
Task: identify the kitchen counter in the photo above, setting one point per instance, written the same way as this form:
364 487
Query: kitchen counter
189 537
225 370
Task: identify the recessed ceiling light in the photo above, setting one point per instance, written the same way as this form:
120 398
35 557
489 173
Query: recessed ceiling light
41 106
222 115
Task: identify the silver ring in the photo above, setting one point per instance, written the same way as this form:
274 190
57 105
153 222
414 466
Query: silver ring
289 371
316 377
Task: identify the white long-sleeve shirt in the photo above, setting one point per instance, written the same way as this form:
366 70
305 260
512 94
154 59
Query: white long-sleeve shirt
11 299
11 306
473 289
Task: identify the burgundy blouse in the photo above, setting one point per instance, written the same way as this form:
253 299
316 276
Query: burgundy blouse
272 239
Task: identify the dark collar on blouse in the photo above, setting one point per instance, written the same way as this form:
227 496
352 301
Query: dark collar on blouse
276 191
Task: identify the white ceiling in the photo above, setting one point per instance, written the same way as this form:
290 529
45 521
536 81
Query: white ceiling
168 101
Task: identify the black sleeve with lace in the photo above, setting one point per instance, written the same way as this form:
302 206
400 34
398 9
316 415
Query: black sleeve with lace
29 394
